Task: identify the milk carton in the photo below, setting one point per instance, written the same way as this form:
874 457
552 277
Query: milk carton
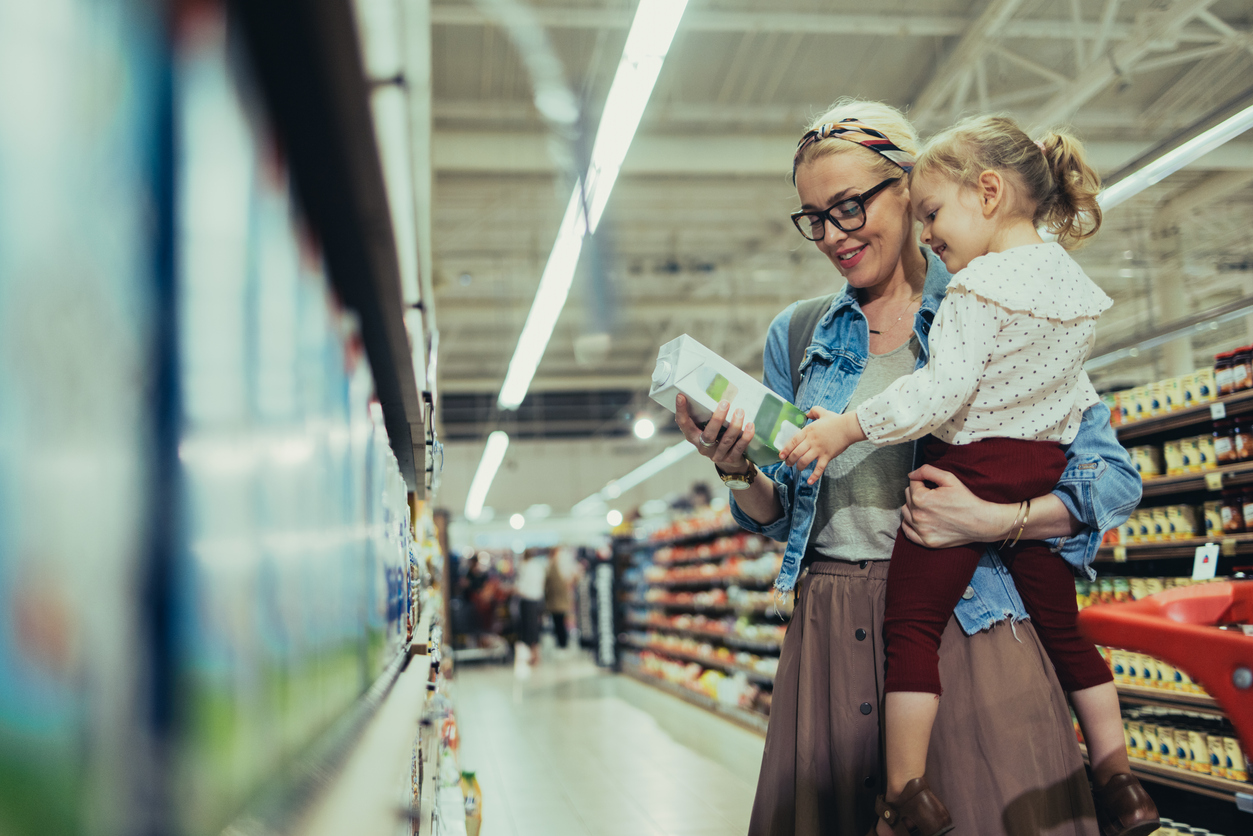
685 366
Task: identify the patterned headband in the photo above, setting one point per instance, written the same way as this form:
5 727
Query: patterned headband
852 130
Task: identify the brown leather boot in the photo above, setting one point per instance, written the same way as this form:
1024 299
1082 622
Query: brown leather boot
918 810
1123 808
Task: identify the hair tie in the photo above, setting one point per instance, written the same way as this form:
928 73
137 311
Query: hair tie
1039 143
853 130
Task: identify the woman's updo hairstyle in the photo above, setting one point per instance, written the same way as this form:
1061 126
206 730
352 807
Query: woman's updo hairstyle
881 117
1057 184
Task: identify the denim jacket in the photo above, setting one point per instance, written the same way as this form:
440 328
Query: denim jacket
1099 487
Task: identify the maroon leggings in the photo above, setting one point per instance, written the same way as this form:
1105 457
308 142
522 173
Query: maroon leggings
925 585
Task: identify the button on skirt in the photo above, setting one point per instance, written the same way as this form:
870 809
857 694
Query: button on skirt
1003 754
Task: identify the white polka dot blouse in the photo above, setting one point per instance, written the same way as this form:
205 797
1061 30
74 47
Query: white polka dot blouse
1007 351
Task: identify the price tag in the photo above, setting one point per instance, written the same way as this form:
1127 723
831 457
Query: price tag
1214 481
1229 547
1120 554
1205 563
1217 410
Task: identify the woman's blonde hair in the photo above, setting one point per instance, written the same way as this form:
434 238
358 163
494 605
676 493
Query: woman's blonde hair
1053 177
880 116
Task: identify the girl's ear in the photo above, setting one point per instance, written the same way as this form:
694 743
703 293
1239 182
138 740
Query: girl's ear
991 190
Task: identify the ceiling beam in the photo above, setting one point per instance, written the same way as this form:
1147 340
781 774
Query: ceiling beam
960 62
1154 31
887 25
474 152
705 115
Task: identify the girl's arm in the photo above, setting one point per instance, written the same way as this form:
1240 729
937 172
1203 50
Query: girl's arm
913 406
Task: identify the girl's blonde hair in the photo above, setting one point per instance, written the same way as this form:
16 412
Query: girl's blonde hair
880 116
1053 177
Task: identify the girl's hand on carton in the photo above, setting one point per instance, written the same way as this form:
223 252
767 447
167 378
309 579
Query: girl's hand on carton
828 435
728 452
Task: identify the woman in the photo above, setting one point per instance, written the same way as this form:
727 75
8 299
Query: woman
1002 749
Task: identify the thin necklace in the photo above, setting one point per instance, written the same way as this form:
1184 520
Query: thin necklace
912 300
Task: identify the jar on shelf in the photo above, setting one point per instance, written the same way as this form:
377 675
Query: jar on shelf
1242 369
1224 442
1246 508
1233 511
1241 440
1222 372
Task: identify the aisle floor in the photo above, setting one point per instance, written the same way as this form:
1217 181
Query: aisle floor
575 751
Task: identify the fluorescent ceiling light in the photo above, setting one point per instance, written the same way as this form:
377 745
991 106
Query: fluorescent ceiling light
493 455
1175 159
652 32
672 454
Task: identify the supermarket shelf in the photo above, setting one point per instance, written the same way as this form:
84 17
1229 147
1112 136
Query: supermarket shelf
309 67
1238 404
710 558
707 609
704 583
365 794
729 667
709 635
1173 549
693 539
750 720
1232 475
1168 699
1236 792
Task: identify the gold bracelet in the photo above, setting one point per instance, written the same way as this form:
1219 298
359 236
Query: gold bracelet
1013 525
1023 527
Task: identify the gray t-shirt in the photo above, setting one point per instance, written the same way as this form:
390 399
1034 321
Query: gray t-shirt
857 511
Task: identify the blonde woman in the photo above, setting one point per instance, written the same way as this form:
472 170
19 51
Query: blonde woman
1002 753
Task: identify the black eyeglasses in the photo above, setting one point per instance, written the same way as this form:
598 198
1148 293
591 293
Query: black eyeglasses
848 214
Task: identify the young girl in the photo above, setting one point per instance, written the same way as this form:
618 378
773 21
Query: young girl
1003 391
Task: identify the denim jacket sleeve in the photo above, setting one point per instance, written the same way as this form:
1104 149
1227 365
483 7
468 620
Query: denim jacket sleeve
778 377
1100 487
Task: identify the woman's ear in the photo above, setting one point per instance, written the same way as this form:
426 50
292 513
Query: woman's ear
991 190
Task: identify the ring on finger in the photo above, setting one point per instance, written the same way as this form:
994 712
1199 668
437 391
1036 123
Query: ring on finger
704 443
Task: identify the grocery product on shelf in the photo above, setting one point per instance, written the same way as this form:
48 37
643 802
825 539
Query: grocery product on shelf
81 151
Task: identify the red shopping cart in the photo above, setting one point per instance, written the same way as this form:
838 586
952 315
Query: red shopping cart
1178 627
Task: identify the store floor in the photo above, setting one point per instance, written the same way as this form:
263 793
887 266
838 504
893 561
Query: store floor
574 751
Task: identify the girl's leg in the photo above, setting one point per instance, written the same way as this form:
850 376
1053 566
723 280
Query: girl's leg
1045 582
1100 717
924 586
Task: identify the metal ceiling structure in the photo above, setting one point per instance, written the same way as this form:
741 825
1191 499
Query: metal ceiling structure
696 237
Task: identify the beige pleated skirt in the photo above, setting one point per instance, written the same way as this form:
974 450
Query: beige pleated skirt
1003 755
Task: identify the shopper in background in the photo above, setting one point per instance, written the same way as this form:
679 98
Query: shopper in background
529 586
1003 754
558 600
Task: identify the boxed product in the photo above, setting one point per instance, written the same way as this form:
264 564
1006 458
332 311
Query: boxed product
1234 764
1213 518
1136 405
1172 389
685 366
1172 453
1147 459
1205 446
1155 399
1181 521
1187 385
1206 386
1189 455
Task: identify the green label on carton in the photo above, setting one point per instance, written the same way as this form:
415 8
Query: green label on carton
776 422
